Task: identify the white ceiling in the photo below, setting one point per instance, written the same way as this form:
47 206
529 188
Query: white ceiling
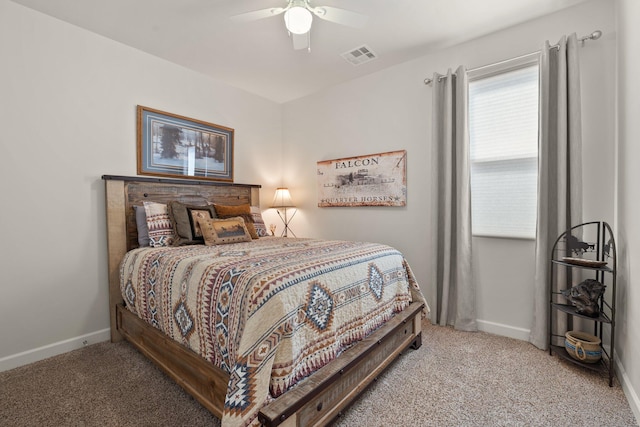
258 56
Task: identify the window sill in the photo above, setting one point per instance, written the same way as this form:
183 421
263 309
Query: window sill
490 236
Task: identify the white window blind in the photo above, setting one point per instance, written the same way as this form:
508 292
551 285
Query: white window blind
503 125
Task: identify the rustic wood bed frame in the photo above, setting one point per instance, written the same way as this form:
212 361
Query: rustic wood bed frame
317 400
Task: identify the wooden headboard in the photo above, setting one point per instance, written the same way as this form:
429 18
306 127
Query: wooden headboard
124 192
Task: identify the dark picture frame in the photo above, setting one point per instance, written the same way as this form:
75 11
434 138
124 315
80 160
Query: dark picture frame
173 146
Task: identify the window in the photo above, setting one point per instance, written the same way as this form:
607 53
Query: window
503 127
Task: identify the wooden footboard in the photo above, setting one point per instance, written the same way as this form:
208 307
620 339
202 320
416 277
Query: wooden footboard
323 396
202 380
315 401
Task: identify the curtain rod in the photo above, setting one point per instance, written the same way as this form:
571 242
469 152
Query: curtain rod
593 36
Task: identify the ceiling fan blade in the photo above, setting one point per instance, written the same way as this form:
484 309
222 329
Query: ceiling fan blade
300 41
340 16
257 14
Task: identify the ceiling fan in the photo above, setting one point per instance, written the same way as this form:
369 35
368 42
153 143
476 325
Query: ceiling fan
298 17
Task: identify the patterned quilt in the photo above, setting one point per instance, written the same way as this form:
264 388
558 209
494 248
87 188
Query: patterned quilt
269 312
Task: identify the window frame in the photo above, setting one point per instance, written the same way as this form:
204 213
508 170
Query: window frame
492 70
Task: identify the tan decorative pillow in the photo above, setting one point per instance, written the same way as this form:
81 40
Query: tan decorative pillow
217 231
244 211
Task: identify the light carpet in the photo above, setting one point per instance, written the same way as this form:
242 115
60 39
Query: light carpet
454 379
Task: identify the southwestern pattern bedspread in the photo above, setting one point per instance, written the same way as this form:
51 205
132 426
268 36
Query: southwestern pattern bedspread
270 311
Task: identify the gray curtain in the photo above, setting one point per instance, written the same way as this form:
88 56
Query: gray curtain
559 167
453 294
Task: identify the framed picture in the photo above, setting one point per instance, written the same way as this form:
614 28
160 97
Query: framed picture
175 146
371 180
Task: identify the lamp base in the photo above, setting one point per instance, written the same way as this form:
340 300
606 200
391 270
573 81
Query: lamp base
286 221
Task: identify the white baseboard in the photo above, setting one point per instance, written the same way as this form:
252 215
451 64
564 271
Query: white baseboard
627 387
503 330
41 353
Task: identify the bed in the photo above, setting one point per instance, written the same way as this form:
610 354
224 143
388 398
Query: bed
284 371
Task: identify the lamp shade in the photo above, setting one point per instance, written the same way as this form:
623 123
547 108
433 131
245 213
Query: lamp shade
282 199
298 20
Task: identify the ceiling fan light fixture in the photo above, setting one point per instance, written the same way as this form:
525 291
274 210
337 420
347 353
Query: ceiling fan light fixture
298 20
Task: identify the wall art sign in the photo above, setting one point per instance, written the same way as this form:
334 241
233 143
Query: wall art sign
176 146
372 180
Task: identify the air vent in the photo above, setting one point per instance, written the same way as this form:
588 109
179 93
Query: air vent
359 55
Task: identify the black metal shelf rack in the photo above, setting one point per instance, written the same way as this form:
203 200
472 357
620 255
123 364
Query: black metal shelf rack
591 241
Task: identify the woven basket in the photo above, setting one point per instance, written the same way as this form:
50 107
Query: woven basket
583 347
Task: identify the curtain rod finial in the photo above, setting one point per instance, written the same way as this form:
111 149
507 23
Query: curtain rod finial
593 36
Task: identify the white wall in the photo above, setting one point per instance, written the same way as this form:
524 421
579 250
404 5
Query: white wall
628 214
391 110
67 112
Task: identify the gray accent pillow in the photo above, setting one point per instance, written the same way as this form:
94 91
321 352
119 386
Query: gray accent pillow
141 225
185 222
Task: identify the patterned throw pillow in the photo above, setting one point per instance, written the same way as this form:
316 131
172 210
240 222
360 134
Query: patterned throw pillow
159 224
244 211
258 222
220 231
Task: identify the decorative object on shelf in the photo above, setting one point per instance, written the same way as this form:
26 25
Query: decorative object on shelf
282 201
371 180
607 248
578 246
583 347
272 229
584 262
585 297
176 146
